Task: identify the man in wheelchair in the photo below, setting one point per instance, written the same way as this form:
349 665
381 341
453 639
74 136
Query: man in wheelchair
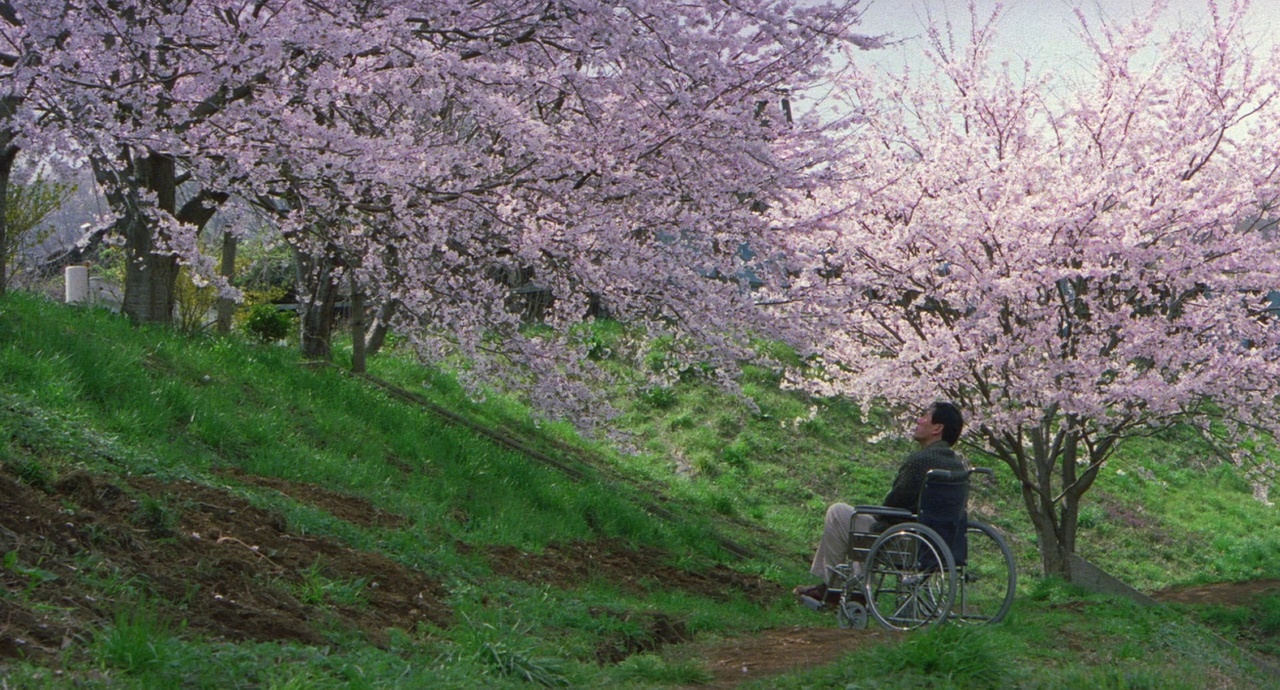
937 430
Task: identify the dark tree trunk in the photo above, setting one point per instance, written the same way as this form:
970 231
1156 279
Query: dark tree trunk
150 277
380 328
317 298
227 269
151 271
380 325
8 152
151 268
1045 461
358 335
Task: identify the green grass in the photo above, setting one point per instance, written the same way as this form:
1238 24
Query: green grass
699 469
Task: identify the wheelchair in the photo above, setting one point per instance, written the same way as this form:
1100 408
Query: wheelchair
927 567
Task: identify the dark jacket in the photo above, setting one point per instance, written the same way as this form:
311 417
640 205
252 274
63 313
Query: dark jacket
906 487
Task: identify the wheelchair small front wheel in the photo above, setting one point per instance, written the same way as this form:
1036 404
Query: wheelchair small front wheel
851 613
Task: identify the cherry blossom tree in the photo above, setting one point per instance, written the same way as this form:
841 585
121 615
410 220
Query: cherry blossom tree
435 155
121 85
1075 263
600 152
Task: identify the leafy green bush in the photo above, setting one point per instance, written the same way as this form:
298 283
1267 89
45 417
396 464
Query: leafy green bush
268 323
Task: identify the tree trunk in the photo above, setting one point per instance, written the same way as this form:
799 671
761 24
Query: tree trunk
1047 472
1055 527
150 276
8 152
317 297
226 306
380 328
358 334
149 279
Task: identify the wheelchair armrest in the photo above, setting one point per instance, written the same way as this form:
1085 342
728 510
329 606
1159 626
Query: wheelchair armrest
885 511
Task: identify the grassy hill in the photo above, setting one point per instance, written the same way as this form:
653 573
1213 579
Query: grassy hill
205 512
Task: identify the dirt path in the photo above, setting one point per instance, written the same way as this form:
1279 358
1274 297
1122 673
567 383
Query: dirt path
774 652
778 651
1224 593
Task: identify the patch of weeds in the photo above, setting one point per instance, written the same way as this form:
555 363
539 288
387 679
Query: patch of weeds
155 516
658 397
138 642
521 664
684 421
1255 625
723 504
624 634
34 575
944 657
965 657
108 580
31 472
653 669
505 653
1091 516
317 589
1117 678
1053 590
1269 615
737 454
1228 617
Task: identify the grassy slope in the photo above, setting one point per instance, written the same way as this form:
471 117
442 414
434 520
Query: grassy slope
84 390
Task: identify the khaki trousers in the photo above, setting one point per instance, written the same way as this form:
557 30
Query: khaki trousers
834 547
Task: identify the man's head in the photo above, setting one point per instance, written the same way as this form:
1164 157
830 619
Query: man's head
941 422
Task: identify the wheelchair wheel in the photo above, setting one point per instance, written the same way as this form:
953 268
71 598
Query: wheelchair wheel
851 614
987 581
909 580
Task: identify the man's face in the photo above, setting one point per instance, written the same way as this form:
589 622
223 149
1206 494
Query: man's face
925 427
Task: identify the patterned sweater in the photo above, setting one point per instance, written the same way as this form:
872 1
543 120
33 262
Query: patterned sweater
906 487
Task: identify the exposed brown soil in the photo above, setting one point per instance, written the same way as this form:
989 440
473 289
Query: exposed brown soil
1224 593
634 570
777 651
208 557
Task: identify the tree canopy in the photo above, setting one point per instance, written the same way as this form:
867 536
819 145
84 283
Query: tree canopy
611 154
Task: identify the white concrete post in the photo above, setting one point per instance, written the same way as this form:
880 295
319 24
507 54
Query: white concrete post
77 279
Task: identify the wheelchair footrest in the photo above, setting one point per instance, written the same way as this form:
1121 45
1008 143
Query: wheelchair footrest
811 602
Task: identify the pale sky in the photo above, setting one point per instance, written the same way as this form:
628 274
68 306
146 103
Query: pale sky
1041 30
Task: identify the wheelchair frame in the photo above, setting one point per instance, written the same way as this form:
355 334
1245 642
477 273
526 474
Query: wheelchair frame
911 576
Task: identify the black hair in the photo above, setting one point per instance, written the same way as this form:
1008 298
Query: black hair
948 415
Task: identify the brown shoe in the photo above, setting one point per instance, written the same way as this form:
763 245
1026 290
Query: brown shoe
816 597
